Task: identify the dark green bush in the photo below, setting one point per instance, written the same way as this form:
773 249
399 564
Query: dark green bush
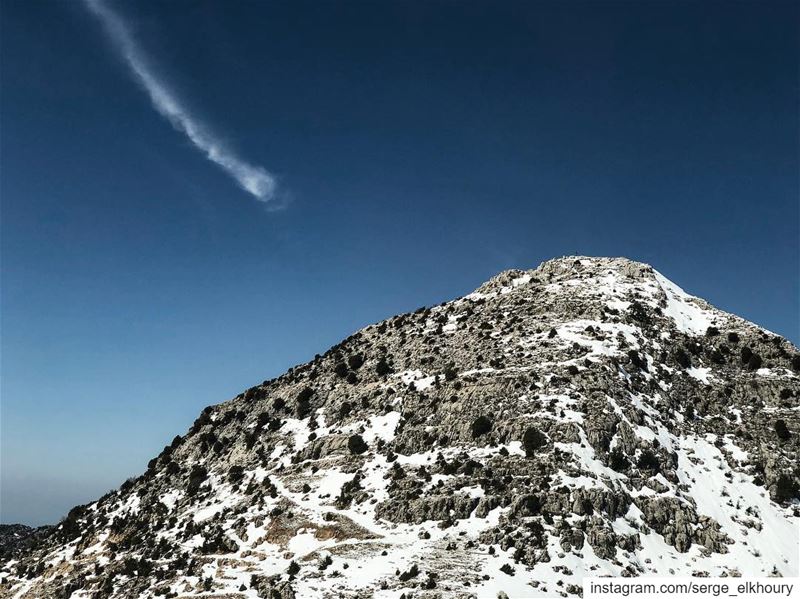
648 461
746 354
197 477
533 440
754 363
618 461
355 361
480 426
785 489
782 430
383 368
636 360
235 474
682 358
356 444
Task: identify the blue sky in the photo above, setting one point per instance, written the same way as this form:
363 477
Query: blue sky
419 148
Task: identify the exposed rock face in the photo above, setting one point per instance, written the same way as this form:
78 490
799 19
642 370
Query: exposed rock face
586 417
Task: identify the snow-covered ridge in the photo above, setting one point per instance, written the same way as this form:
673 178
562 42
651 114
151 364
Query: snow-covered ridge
587 417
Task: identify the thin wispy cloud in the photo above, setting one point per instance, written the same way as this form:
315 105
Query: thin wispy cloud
254 179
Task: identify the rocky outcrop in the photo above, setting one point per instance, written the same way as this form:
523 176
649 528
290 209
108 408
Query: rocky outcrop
585 412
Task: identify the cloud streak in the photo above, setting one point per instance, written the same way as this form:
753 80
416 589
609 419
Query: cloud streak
253 179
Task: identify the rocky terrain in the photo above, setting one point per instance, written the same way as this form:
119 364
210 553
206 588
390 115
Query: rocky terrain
14 537
584 418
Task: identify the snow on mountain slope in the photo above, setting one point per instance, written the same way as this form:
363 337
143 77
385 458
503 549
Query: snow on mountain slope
585 418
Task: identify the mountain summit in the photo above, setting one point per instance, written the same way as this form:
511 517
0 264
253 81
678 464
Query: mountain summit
588 417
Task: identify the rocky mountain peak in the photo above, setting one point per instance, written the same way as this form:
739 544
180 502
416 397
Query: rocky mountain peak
587 417
569 268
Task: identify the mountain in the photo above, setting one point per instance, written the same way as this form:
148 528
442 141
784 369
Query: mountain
584 418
